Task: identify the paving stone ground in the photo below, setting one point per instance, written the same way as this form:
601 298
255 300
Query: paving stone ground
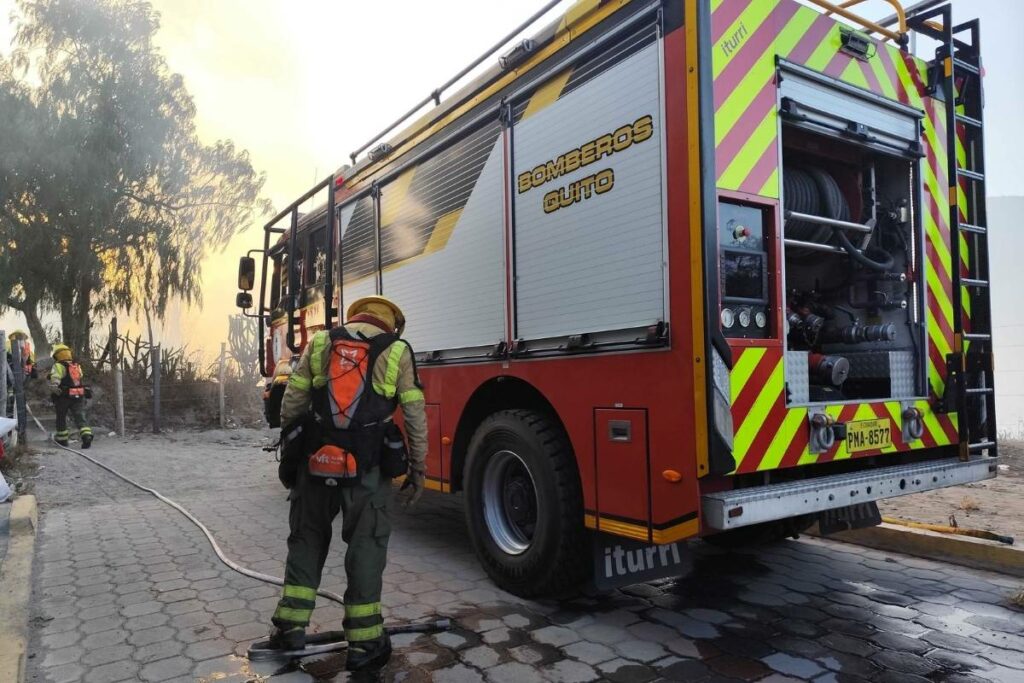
126 589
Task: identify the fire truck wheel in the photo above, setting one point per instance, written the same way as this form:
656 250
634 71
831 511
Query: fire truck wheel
524 506
761 534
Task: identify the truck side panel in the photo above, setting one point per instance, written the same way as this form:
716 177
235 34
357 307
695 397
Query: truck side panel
442 234
589 226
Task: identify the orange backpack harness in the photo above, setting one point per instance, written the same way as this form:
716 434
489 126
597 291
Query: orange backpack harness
353 416
71 383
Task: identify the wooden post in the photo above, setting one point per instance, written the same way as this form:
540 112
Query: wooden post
156 389
19 391
220 384
115 366
3 377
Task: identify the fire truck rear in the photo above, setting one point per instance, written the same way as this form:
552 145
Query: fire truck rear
673 269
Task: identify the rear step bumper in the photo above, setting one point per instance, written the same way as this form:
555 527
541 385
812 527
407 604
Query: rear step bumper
743 507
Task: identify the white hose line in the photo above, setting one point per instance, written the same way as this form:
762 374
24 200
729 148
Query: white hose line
245 571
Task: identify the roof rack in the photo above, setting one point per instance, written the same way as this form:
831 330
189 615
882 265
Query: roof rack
435 96
899 36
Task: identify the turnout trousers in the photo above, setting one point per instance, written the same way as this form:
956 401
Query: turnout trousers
75 408
366 527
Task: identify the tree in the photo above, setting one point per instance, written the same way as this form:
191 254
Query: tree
134 201
25 231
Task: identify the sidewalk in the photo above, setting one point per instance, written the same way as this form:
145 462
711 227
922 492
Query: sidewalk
126 589
5 529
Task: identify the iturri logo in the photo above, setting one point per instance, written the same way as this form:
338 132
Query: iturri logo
620 561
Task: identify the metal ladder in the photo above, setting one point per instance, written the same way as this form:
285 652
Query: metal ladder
955 75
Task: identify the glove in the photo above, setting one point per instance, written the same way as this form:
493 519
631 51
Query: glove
413 481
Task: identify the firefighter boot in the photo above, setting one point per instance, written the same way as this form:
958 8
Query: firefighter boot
368 655
86 440
288 639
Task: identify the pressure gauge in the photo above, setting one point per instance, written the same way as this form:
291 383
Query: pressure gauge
760 319
744 317
728 318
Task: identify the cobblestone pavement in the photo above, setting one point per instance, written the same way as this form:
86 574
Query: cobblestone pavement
127 589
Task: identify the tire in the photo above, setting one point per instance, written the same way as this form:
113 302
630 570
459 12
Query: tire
765 533
529 546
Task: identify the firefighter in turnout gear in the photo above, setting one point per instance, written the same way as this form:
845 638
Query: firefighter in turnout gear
28 360
338 406
69 394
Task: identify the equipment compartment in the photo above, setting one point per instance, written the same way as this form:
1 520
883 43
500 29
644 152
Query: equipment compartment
852 279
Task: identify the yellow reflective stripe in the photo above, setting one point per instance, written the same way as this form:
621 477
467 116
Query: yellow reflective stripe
300 592
394 357
388 387
294 615
369 633
299 382
367 610
410 396
316 358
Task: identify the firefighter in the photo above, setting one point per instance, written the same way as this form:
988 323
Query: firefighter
69 394
28 356
28 359
344 390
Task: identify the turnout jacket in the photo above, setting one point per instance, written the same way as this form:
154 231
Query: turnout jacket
392 377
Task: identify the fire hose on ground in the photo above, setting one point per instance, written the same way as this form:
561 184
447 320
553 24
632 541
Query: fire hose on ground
317 643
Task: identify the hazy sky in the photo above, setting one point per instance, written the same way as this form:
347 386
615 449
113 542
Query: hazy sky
302 83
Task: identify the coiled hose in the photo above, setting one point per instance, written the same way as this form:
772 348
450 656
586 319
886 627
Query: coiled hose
814 191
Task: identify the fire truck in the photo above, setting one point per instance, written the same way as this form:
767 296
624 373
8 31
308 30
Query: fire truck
672 269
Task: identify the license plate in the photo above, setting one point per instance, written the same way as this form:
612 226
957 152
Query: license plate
868 435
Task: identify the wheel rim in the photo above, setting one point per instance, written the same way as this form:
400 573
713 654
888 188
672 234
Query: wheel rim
510 502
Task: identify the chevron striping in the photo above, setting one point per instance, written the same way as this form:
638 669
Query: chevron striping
854 75
742 369
760 142
791 424
768 430
754 419
752 389
883 77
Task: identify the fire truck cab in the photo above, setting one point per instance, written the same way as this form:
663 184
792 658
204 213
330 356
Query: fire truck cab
673 269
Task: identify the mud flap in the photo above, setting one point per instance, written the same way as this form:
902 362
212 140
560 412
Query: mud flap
858 516
621 561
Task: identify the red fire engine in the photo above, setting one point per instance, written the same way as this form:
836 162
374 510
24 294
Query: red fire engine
673 269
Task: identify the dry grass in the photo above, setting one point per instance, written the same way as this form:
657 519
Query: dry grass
1018 598
969 504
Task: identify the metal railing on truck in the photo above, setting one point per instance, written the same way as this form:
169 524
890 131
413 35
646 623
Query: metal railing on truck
270 228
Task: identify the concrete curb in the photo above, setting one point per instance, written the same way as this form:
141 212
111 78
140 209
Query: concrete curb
964 550
16 588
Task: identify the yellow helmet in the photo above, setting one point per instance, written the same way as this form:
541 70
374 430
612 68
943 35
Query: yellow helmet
380 307
61 352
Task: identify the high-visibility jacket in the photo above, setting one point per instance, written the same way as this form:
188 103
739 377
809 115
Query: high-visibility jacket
28 356
394 376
